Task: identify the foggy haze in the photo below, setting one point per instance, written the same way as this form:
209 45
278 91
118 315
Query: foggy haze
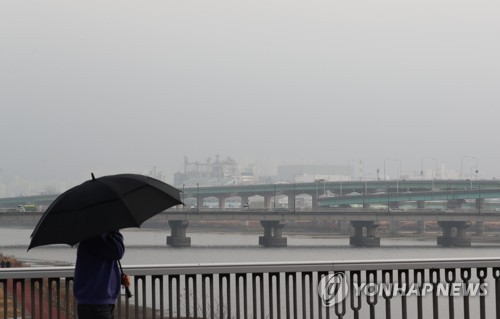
124 86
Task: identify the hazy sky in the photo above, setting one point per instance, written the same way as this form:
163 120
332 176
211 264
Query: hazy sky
122 86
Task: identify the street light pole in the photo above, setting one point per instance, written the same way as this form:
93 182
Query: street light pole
274 204
398 160
434 171
462 167
479 204
197 197
475 168
422 168
384 177
436 167
387 197
183 196
362 169
317 182
399 175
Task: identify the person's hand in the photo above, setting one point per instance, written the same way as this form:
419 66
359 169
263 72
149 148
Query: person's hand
126 281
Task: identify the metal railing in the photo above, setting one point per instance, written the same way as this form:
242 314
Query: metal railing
273 290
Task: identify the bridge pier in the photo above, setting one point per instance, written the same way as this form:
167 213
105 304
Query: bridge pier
199 202
291 203
222 201
273 234
178 234
479 203
244 200
267 201
454 234
314 200
359 238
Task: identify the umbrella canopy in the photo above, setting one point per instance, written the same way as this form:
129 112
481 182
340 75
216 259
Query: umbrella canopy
101 205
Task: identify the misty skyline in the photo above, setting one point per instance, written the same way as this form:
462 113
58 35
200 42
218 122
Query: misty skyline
124 86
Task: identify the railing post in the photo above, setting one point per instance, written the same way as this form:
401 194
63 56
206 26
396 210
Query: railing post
481 275
465 275
270 283
496 276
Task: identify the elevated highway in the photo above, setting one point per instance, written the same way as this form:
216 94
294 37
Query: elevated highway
422 196
317 190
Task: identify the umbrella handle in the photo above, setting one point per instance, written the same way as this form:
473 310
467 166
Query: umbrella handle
128 293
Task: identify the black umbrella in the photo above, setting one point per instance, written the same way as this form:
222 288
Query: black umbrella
101 205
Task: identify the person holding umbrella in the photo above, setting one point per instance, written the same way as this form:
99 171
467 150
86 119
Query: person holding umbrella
91 215
97 275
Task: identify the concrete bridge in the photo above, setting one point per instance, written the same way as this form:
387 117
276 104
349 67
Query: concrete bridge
333 191
364 222
453 198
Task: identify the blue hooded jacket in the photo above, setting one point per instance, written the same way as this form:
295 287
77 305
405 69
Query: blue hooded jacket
97 275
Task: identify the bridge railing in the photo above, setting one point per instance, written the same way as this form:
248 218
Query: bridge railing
451 288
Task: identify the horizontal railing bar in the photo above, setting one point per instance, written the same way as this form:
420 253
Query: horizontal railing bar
67 271
36 272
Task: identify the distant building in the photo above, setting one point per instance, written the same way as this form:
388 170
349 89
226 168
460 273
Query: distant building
215 172
310 173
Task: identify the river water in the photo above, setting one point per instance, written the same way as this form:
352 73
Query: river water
148 246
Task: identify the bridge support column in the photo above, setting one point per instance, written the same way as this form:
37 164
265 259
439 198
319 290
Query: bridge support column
420 226
178 234
314 200
267 202
244 200
420 203
479 203
359 238
454 234
222 201
273 234
291 203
